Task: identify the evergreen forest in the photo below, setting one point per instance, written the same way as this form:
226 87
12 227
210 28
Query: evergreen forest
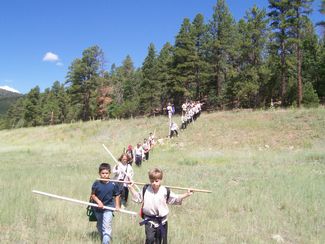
270 57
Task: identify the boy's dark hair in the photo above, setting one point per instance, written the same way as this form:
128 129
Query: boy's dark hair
103 166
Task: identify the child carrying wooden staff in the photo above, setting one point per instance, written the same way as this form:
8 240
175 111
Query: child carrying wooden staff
154 198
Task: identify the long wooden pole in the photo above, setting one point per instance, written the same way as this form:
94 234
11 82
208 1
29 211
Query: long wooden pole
82 202
172 187
109 152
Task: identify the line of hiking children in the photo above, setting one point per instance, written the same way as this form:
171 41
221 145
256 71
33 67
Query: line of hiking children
153 198
190 112
141 150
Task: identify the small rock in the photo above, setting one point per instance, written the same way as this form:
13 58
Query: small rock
278 238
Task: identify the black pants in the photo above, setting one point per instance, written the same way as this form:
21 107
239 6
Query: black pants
155 235
173 132
146 155
124 195
138 160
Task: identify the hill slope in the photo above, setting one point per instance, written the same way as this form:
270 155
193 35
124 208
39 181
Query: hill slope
266 170
7 98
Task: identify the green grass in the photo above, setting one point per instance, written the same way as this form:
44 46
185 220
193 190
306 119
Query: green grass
266 170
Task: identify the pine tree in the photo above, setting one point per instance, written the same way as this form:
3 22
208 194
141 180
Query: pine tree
83 79
184 62
280 25
246 87
164 75
298 13
222 46
149 86
32 108
201 66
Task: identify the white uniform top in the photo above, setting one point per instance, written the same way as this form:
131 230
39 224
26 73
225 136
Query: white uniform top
169 109
138 151
123 172
184 107
174 126
155 204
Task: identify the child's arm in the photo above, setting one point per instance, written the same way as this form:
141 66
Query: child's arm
176 199
116 169
117 202
97 200
136 196
186 194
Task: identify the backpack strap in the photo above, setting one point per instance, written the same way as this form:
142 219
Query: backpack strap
144 190
168 194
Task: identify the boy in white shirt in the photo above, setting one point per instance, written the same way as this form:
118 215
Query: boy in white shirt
154 199
173 129
138 154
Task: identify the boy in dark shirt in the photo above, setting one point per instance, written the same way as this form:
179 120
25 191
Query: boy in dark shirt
105 193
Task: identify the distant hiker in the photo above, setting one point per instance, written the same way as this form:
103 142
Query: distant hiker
124 172
151 140
184 123
184 108
105 193
169 111
129 152
138 154
154 198
173 129
146 149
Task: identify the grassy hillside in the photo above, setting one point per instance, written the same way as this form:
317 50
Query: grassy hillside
266 170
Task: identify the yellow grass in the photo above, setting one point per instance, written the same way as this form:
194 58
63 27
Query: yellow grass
266 170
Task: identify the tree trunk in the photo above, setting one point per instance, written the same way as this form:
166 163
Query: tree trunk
299 76
283 74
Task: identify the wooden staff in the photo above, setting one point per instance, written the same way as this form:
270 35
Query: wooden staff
82 202
172 187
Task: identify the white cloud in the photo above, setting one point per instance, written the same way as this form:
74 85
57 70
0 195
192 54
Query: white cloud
59 64
51 57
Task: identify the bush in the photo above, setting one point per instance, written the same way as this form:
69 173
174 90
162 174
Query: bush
310 98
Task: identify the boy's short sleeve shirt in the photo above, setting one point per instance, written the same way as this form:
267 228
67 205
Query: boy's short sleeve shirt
106 192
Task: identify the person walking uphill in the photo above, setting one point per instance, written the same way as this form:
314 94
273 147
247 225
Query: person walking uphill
105 193
154 198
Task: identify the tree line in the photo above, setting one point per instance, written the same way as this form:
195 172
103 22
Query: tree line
268 57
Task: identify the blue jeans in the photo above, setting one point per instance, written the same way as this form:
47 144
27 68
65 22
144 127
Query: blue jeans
104 225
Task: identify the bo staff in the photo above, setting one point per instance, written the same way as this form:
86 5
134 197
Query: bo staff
172 187
82 202
115 160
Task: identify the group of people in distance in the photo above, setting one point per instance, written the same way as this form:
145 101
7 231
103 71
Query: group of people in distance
191 110
153 198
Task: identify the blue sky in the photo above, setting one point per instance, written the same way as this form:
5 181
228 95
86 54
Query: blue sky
40 38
